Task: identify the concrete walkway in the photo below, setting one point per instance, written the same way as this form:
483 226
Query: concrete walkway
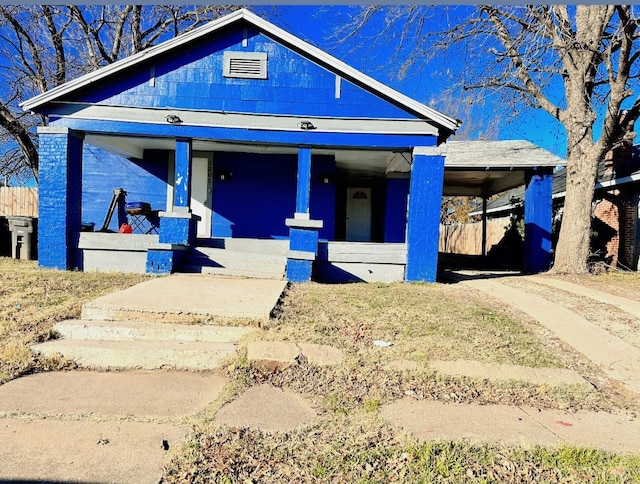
618 359
84 426
189 297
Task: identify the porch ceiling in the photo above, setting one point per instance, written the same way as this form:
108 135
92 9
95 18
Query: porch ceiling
475 168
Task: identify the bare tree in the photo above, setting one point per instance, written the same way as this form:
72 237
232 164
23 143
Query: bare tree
45 46
577 63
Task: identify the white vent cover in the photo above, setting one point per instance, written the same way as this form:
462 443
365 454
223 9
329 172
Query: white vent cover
248 65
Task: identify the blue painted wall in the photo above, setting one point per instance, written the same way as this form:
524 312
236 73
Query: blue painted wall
193 79
144 180
261 194
395 214
323 195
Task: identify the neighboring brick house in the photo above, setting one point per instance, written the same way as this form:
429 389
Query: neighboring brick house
616 231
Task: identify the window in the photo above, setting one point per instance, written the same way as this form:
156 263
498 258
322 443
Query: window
246 65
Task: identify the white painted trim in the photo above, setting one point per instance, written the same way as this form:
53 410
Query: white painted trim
301 216
304 224
301 255
281 36
338 87
242 120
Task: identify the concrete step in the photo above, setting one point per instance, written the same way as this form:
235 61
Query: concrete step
148 355
237 256
275 273
220 261
260 246
146 331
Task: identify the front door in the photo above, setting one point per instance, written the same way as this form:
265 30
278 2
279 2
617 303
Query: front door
358 214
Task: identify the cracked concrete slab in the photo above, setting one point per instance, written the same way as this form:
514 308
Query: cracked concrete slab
617 358
84 451
278 355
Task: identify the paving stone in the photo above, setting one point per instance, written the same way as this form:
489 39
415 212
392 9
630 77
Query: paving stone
84 451
321 355
267 408
273 355
430 420
495 371
278 355
154 394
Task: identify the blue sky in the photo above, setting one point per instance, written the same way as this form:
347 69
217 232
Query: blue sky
423 83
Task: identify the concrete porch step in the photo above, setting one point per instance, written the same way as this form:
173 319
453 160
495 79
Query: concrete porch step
218 261
259 246
93 330
238 256
148 355
196 268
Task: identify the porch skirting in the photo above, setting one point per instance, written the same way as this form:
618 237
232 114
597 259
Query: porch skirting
360 262
119 252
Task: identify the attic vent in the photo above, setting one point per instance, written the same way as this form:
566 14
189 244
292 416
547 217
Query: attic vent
247 65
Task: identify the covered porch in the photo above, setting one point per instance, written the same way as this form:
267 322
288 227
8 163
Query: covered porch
340 214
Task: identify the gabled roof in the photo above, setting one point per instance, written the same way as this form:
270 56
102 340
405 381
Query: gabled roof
244 17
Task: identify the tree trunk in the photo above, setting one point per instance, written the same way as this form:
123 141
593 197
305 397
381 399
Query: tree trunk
572 250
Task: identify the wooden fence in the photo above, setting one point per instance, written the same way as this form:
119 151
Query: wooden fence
18 201
467 238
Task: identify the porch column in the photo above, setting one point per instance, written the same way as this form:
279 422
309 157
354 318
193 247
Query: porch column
423 221
182 189
60 197
484 226
537 220
178 227
303 232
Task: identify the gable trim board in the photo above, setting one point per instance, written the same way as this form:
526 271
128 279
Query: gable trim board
305 49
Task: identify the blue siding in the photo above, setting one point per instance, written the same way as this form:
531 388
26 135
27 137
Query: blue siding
259 197
262 194
395 216
323 195
143 180
193 79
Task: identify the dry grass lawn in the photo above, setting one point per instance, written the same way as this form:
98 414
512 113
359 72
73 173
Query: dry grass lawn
32 300
349 442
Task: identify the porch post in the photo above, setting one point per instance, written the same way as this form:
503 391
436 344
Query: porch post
484 226
303 232
60 194
182 190
178 227
537 220
423 222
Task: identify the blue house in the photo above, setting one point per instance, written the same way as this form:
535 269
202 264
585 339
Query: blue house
242 137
